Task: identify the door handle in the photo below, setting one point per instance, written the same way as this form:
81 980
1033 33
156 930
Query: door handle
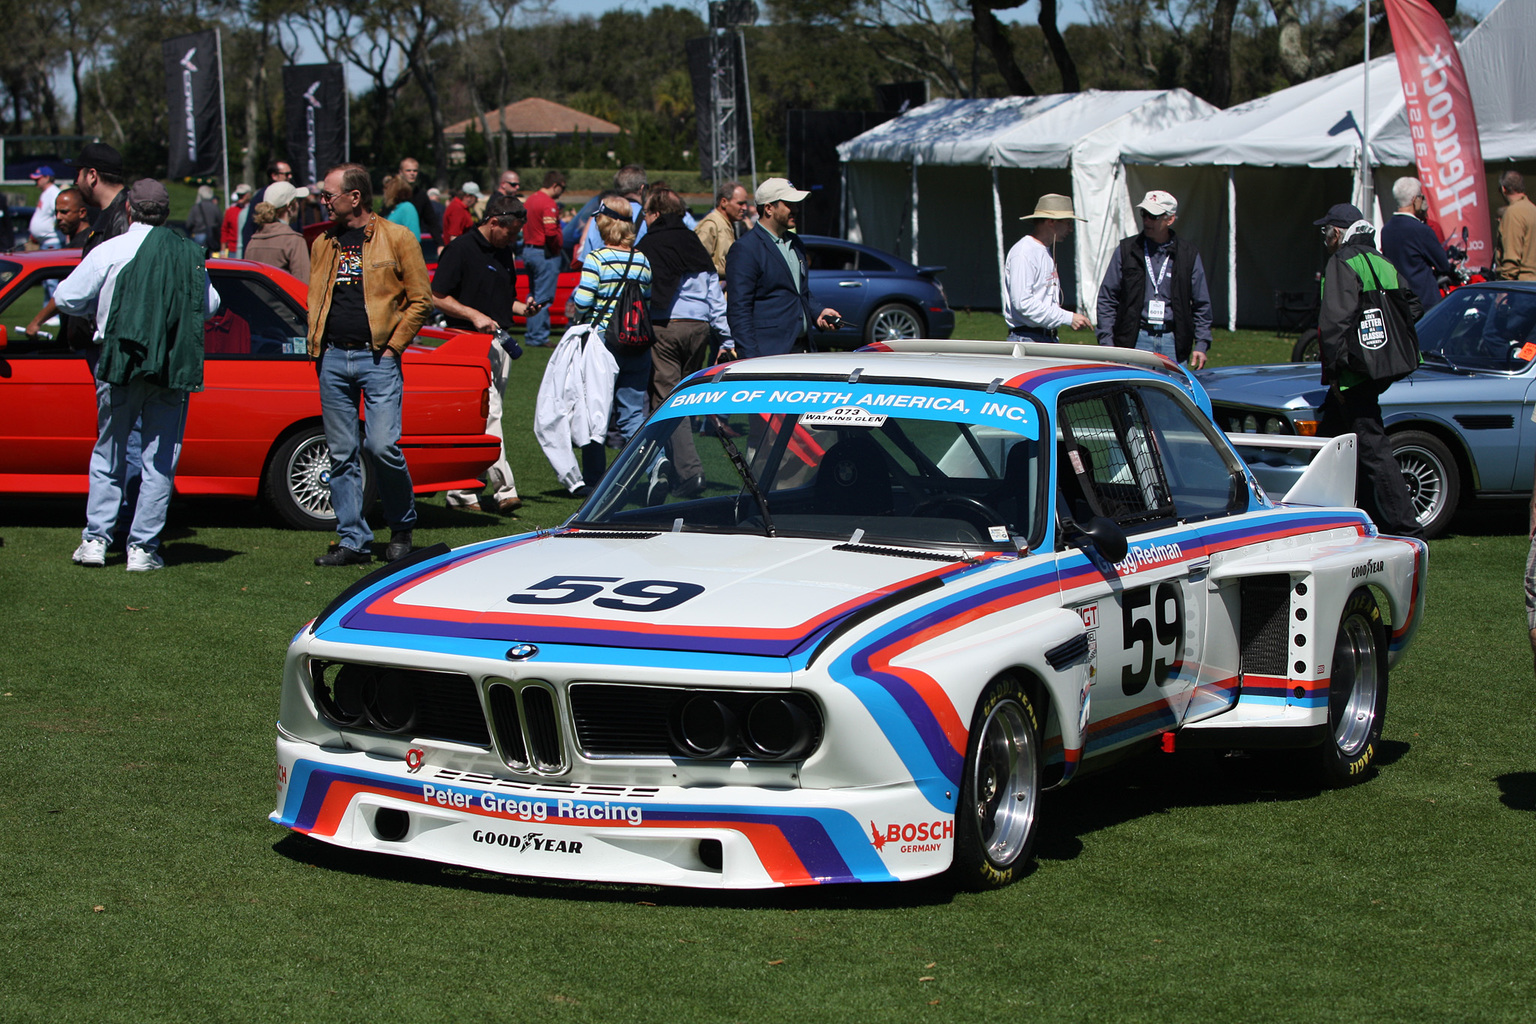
850 284
1199 570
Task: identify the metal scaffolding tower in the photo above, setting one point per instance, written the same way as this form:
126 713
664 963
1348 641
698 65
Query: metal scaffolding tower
729 96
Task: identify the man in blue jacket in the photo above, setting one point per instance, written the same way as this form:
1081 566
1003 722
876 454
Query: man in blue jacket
1411 245
768 281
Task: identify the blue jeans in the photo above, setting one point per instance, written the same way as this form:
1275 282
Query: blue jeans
161 417
543 276
347 375
1162 344
631 393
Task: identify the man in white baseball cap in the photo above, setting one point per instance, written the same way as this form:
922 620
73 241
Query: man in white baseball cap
768 280
1154 295
1031 286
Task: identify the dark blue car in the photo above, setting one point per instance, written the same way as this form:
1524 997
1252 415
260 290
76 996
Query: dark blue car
1462 426
881 297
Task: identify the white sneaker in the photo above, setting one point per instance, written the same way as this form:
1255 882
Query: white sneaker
140 560
462 499
90 552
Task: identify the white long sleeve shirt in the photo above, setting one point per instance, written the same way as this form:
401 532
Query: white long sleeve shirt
1031 287
89 287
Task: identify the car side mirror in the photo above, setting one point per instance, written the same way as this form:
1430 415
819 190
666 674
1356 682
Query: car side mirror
1107 537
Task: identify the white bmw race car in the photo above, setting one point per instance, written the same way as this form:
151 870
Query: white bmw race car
918 584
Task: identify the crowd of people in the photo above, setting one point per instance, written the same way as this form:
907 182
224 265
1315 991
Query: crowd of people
733 283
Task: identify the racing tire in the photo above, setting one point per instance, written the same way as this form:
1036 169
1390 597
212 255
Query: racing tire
1306 349
1357 694
894 321
997 818
298 480
1433 478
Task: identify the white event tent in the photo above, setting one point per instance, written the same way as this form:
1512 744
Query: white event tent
1251 179
946 182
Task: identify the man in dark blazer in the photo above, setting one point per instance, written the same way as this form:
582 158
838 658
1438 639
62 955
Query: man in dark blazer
768 281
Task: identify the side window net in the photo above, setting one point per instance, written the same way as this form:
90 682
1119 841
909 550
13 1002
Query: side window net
1109 462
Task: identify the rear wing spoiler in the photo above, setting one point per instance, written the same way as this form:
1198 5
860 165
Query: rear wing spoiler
1328 482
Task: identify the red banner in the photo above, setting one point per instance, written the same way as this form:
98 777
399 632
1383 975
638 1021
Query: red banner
1444 128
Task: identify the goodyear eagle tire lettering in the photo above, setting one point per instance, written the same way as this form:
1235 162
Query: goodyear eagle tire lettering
1000 792
1357 694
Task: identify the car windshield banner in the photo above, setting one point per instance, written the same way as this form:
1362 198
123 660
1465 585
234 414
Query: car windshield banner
1443 126
194 93
841 404
315 101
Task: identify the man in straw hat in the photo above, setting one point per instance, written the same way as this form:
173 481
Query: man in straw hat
1031 286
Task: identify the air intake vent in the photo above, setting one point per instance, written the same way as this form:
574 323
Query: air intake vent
622 721
543 728
1486 422
400 702
1266 618
509 726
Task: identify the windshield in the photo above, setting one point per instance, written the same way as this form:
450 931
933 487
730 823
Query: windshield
1481 329
885 464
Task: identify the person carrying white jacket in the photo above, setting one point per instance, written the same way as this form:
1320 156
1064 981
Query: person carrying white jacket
574 402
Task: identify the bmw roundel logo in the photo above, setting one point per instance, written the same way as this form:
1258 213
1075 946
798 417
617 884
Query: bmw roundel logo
521 652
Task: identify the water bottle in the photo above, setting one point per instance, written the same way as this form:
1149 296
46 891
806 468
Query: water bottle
508 343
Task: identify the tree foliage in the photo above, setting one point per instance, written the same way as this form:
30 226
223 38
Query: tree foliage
91 66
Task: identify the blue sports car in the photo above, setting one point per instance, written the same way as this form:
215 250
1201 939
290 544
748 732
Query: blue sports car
881 297
1462 426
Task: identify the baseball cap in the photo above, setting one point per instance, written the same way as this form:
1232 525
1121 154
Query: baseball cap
778 190
42 172
470 188
281 193
148 190
1340 215
98 156
1158 203
242 189
1053 206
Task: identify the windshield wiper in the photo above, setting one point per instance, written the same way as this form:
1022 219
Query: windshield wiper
746 478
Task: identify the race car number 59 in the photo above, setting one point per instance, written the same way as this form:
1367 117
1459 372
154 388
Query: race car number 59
630 596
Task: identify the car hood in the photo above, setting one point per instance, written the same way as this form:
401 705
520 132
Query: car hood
1295 386
669 591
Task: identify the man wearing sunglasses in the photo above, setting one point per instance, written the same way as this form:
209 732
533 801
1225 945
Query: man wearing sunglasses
368 296
1154 295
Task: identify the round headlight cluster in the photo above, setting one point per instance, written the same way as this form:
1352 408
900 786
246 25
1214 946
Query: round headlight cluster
367 696
769 727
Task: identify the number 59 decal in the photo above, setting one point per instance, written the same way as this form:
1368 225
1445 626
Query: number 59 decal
1153 625
631 596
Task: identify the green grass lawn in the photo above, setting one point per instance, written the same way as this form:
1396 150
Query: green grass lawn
141 880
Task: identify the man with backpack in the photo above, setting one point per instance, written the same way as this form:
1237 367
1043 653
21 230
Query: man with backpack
1367 341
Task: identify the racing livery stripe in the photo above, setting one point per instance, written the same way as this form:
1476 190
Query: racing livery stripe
1134 724
1257 689
795 847
1035 378
390 611
919 721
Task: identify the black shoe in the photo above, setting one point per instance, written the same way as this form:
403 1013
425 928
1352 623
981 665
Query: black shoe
689 488
399 545
344 556
584 491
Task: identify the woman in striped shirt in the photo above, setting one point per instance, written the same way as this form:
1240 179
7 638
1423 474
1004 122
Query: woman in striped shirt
603 274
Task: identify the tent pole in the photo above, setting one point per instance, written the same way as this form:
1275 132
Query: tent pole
842 196
1231 248
914 210
997 229
1366 189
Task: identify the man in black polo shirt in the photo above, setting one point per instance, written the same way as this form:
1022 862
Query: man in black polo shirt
473 287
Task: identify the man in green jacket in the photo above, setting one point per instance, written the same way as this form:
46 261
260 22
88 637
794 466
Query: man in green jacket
1353 405
150 294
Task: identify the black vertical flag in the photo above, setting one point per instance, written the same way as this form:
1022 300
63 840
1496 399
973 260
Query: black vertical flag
315 101
194 92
